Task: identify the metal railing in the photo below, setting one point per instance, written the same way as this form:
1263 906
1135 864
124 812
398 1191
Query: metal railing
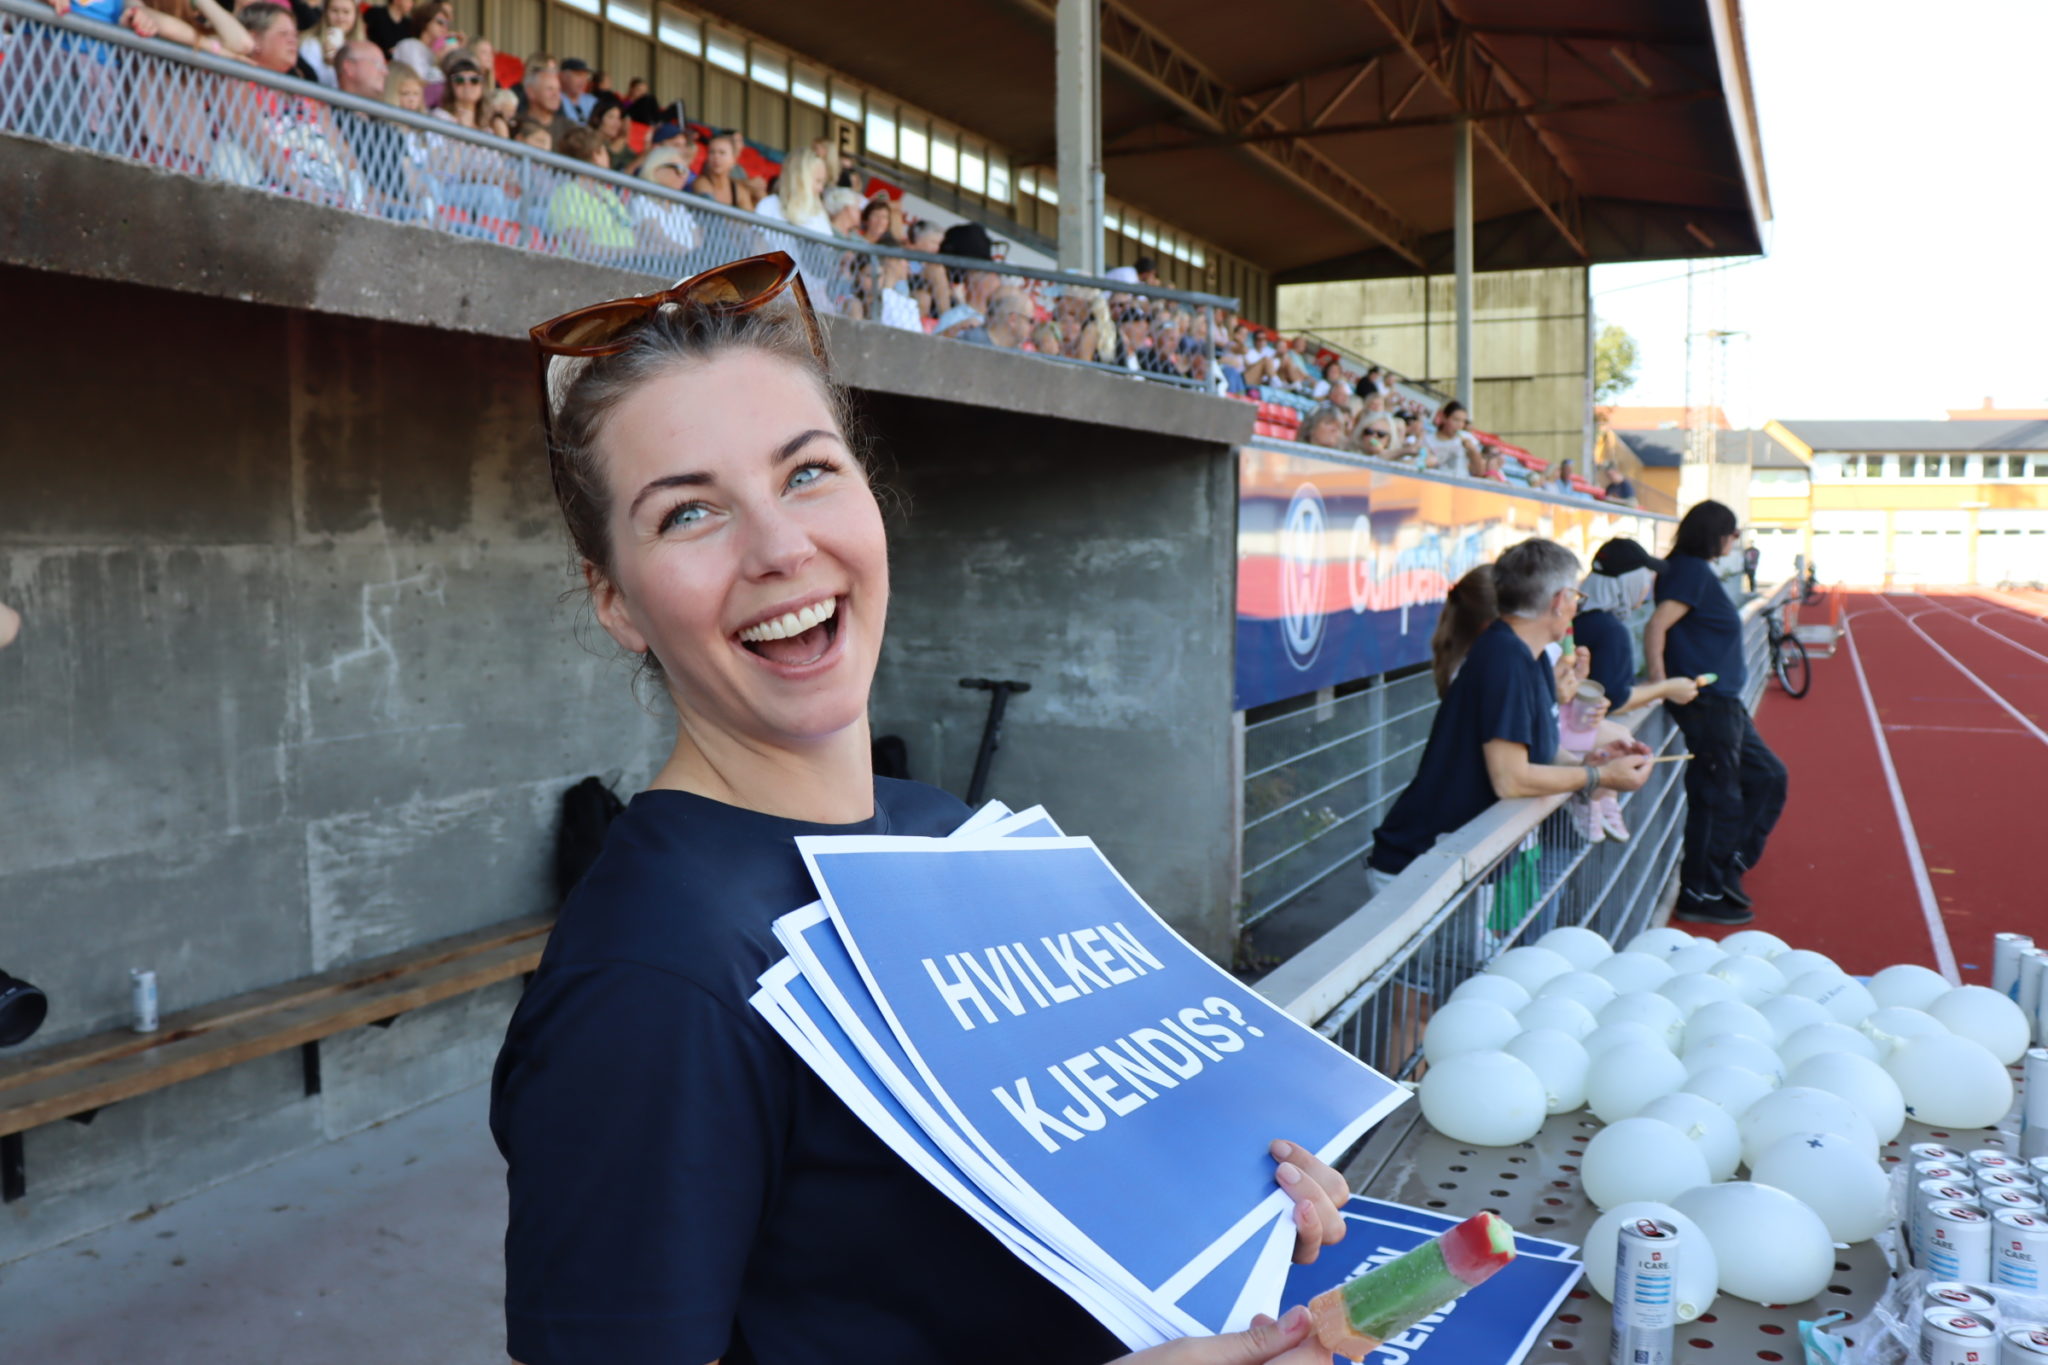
101 89
1511 875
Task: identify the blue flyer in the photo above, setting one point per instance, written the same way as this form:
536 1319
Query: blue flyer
1094 1058
1494 1324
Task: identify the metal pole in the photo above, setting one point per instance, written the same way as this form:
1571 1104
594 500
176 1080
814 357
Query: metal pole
1078 125
1586 444
1461 251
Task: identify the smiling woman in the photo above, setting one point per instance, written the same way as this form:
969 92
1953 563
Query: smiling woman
683 1189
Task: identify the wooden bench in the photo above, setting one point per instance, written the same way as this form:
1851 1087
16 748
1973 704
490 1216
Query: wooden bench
76 1080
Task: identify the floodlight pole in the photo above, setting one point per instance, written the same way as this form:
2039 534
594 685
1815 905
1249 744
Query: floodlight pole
1078 124
1461 251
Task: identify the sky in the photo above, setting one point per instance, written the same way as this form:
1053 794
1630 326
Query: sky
1906 150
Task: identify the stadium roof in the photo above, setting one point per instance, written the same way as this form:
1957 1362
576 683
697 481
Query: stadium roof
1664 448
1315 140
1660 449
1915 436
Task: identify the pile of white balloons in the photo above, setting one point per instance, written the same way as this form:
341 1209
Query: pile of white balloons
1699 1058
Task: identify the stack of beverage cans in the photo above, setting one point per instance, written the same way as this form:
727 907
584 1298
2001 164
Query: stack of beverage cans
1978 1218
1964 1324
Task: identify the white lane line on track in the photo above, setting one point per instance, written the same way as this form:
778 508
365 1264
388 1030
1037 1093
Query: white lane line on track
1958 729
1930 909
1996 635
1982 686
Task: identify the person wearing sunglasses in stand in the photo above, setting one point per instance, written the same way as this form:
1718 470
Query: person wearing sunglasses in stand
683 1189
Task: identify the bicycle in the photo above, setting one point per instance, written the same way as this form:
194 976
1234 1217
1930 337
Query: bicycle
1788 656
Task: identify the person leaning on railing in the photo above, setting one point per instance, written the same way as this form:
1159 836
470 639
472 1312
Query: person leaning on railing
1495 734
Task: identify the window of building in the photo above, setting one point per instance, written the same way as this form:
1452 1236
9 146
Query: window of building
945 157
1909 466
630 15
727 51
913 148
680 31
881 131
587 6
1873 466
1959 466
807 85
999 179
770 69
846 100
2015 466
973 171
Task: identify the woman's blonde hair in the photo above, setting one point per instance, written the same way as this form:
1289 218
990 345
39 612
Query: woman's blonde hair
799 200
397 79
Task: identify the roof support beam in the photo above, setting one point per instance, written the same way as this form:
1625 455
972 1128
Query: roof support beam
1344 92
1173 73
1460 68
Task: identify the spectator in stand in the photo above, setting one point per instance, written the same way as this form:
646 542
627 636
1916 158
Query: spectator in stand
874 218
1469 608
966 319
585 213
1376 436
663 225
842 211
1330 382
839 170
360 69
201 24
484 55
1289 367
1326 427
1734 785
893 304
931 286
1616 482
433 32
799 192
1484 461
1495 734
1134 331
609 118
717 181
276 38
1751 557
386 24
403 89
462 99
579 101
505 109
340 22
1622 579
1446 444
1009 320
534 134
543 87
1147 270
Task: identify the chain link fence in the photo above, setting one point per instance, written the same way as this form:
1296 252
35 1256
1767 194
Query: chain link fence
101 89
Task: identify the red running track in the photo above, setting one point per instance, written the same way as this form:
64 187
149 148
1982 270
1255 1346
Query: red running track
1971 760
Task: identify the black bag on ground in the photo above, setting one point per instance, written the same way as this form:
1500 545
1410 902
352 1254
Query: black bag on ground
588 809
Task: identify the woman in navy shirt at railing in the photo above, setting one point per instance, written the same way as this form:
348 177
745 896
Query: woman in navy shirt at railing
683 1188
1735 785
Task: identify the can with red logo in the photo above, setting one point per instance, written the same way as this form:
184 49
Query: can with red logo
1958 1242
2025 1346
2017 1178
2019 1251
1992 1159
2000 1200
1934 1151
1951 1338
1645 1293
1926 1195
1961 1298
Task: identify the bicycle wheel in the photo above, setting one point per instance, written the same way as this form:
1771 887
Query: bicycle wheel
1788 661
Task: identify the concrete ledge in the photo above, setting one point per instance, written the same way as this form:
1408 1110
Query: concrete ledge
78 213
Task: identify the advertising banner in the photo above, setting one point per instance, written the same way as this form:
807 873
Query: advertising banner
1342 566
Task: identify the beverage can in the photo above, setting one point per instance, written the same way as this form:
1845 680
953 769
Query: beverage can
1993 1159
1958 1242
1961 1298
2017 1178
1926 1195
2005 962
2034 1105
2025 1346
1645 1293
2027 992
1947 1172
1951 1338
1934 1151
2019 1250
2016 1201
142 1000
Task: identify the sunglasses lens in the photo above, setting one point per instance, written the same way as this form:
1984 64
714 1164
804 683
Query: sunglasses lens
595 326
740 283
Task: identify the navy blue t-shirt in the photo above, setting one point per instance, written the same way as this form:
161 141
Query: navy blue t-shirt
1502 691
683 1188
1708 638
1614 654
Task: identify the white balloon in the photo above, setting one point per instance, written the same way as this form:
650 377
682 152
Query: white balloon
1509 995
1754 979
1909 984
1653 1011
1625 1078
1558 1012
1699 957
1589 990
1950 1081
1829 1175
1889 1025
1803 1109
1754 943
1581 947
1614 1035
1640 1158
1529 967
1488 1099
1634 972
1845 998
1734 1049
1788 1014
1467 1026
1694 989
1698 1274
1815 1039
1985 1016
1771 1249
1707 1124
1559 1061
1796 962
1660 942
1860 1081
1734 1088
1728 1016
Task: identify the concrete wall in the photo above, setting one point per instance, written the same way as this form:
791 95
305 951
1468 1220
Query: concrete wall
296 685
1528 344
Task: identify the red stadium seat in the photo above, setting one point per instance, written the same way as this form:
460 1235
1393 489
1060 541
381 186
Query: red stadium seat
509 70
637 135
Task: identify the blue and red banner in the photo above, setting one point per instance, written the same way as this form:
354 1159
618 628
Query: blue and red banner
1342 567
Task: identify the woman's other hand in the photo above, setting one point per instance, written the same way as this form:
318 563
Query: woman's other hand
1290 1341
1319 1195
1680 691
